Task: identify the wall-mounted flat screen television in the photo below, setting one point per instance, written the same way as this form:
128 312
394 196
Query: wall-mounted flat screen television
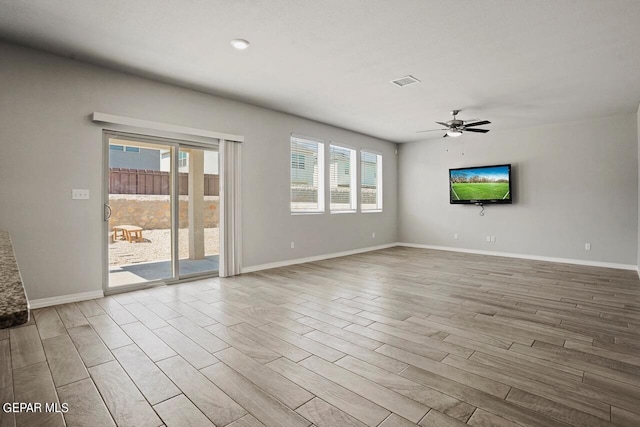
480 185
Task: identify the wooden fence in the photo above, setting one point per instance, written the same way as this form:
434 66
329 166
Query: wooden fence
143 181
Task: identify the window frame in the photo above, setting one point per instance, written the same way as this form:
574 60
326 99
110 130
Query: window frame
320 172
353 178
379 185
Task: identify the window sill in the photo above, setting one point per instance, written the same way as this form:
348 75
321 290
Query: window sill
344 212
372 211
307 213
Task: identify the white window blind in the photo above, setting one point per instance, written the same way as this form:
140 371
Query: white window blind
342 178
371 181
307 175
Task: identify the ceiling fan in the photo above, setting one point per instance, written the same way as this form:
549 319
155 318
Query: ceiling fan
456 127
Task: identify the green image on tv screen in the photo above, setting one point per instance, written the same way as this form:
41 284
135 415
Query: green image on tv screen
490 184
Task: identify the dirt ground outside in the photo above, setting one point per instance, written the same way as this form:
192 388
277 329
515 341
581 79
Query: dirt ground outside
157 247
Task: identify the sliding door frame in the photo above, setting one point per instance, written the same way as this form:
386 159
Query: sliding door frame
175 145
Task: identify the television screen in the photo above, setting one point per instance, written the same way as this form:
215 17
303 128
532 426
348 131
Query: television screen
482 184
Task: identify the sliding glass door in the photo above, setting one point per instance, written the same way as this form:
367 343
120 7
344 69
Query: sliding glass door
161 211
199 206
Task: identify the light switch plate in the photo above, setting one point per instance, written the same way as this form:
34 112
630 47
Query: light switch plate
80 194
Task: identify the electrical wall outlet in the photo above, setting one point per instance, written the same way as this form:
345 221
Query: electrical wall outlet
455 236
79 194
587 246
493 239
373 235
489 239
293 245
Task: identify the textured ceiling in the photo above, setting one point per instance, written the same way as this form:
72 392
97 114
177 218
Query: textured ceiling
517 63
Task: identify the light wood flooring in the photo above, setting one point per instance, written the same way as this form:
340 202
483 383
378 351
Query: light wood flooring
395 337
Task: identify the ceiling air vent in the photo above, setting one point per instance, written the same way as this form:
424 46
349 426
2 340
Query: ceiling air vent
405 81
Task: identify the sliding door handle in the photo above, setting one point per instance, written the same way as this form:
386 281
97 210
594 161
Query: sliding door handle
107 212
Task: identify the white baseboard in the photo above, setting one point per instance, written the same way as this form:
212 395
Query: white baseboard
315 258
442 248
525 256
63 299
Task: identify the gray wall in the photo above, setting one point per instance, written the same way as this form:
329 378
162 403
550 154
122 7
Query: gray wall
50 146
573 183
638 134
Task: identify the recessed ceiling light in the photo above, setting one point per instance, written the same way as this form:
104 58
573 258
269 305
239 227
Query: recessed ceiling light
240 44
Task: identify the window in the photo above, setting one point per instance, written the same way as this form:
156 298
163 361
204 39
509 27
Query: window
341 182
183 159
128 149
371 181
307 175
297 161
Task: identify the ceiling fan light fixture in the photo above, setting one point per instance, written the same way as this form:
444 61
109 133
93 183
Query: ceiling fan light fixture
240 44
456 127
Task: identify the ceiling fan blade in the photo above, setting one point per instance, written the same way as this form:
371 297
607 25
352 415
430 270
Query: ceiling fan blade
430 130
443 124
477 130
484 122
